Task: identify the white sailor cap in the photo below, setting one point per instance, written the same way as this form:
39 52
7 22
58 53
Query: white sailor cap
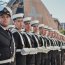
43 26
53 30
46 27
19 15
27 19
50 29
5 10
35 23
57 31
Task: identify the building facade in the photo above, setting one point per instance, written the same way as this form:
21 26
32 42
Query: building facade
57 23
63 26
34 8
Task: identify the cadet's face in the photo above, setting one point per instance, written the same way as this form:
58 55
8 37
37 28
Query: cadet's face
51 33
35 29
4 20
27 26
18 23
44 31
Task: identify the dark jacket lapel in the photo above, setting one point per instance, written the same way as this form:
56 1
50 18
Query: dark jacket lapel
4 33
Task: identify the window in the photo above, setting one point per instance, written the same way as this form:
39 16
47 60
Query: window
20 8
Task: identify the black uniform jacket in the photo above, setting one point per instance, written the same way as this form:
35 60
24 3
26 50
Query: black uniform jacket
6 44
17 39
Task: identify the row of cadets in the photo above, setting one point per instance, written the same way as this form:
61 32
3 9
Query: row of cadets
62 48
54 50
19 39
51 56
49 44
28 53
32 47
59 44
57 52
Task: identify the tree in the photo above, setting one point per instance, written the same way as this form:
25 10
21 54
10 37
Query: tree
62 31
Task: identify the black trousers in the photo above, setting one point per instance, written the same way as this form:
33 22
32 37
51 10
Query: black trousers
62 56
54 58
38 59
58 58
30 59
44 59
8 63
20 59
50 57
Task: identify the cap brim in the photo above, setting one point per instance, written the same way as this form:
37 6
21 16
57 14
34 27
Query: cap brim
27 22
36 24
7 13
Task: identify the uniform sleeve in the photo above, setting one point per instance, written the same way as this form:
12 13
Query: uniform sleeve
16 38
35 43
40 41
26 41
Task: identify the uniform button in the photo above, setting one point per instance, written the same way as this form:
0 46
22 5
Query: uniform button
11 52
10 47
0 54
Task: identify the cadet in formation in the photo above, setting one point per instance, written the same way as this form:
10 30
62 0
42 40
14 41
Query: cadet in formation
37 43
7 45
30 58
19 39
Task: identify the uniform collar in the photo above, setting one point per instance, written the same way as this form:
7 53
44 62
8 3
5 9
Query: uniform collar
19 30
5 28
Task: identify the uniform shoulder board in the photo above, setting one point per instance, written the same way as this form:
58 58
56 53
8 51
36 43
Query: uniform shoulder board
39 35
14 30
30 33
22 32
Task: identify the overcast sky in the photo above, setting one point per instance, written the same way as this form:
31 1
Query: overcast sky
56 8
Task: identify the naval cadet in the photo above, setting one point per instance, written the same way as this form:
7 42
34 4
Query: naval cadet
37 42
30 58
7 45
19 39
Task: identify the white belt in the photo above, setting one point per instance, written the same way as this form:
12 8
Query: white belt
33 50
18 50
57 48
7 61
63 47
40 49
24 51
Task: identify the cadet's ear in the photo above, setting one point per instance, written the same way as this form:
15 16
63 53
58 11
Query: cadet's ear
14 23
